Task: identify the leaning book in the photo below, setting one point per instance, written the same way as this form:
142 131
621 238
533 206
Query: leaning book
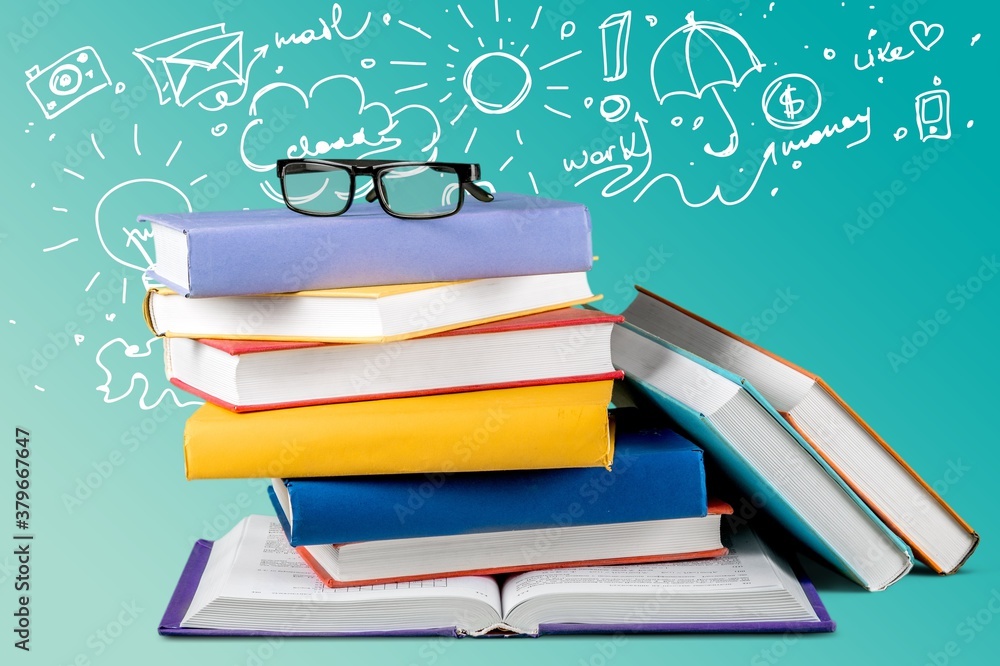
251 582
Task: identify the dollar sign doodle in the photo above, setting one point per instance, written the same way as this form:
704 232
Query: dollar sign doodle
793 106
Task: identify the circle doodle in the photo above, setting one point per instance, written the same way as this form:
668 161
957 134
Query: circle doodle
794 94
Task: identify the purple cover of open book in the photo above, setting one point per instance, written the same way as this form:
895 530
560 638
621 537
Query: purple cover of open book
170 625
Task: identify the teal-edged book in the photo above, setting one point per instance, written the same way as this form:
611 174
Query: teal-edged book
773 465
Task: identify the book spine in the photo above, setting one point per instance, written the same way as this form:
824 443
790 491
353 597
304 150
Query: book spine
540 427
642 485
319 253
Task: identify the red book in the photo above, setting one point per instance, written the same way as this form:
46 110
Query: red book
559 346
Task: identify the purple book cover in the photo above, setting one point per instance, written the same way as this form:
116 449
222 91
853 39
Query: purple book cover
233 253
170 625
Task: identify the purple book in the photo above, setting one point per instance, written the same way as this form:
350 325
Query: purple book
749 565
247 252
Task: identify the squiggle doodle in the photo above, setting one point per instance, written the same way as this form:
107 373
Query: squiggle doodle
133 352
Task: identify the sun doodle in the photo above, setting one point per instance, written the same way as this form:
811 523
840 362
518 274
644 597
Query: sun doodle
470 60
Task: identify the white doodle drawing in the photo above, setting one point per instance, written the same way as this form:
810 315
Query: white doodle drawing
887 53
60 245
933 110
137 382
769 157
900 134
474 91
975 38
189 66
130 246
327 29
71 78
614 44
926 35
623 171
799 98
733 58
615 108
651 20
338 120
829 54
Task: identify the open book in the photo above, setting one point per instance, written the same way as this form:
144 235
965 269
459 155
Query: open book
251 582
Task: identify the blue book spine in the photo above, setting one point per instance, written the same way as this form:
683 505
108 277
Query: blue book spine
657 475
235 253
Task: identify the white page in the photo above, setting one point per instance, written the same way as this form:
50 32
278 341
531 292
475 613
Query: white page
266 568
746 568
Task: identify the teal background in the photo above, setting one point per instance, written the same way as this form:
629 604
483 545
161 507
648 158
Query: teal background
854 297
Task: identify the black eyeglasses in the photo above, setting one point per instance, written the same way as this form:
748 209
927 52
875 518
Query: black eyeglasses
409 190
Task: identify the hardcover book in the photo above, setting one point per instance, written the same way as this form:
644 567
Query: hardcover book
246 252
534 427
765 456
252 583
560 346
936 533
657 475
362 314
511 551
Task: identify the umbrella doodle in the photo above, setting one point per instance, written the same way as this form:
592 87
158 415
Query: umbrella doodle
727 59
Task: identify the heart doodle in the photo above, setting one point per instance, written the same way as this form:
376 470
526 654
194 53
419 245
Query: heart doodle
924 40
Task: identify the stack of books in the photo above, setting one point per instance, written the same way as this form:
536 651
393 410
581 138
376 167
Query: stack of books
432 406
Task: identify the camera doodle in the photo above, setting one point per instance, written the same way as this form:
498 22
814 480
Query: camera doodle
65 82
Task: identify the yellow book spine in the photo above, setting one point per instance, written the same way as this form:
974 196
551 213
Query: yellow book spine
536 427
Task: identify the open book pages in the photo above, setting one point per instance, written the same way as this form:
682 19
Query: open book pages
255 581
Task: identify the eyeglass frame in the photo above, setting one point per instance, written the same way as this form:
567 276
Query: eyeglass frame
466 172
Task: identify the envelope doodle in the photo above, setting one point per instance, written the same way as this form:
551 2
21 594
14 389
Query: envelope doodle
190 65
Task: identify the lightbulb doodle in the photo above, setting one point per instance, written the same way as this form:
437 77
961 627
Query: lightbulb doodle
122 239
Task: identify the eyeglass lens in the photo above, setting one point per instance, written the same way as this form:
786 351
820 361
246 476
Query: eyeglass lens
317 188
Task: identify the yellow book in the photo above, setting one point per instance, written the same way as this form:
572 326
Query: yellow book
362 314
535 427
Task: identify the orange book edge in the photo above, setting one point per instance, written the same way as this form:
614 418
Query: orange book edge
715 507
919 552
147 314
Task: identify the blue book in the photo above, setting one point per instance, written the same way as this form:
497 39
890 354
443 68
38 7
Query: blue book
777 470
247 252
657 475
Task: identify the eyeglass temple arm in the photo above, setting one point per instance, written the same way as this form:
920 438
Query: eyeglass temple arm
478 192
